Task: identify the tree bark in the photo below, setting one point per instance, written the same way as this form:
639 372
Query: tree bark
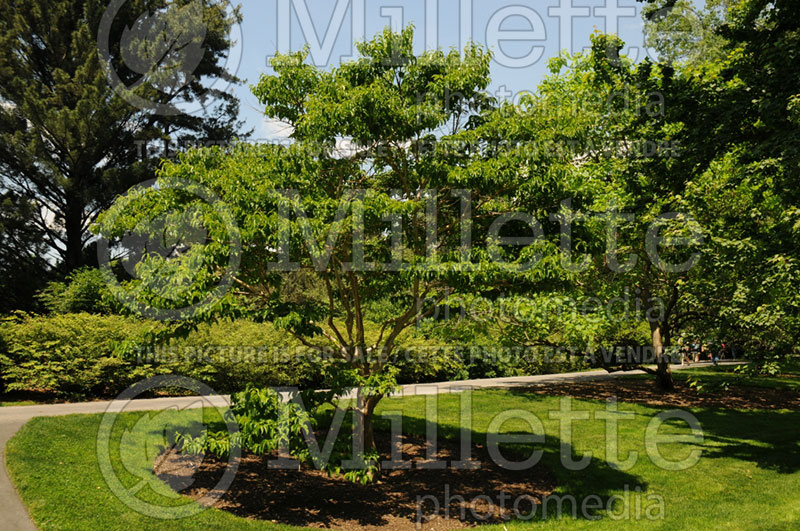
365 406
73 225
366 411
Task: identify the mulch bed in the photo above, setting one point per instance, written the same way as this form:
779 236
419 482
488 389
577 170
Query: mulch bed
307 497
683 396
310 498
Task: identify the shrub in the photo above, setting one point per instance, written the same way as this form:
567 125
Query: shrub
765 367
69 355
230 355
84 290
5 363
268 424
82 355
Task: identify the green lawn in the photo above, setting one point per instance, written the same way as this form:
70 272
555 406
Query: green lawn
747 477
789 379
10 403
20 398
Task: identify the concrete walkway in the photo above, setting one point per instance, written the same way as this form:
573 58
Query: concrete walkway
15 516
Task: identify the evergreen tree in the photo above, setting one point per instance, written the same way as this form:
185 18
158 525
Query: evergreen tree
84 87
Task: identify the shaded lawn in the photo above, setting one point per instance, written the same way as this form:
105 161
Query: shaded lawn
789 379
747 476
25 398
10 403
704 396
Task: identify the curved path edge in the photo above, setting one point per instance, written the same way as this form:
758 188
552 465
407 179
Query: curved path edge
15 515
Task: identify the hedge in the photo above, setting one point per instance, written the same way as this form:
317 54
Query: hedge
81 355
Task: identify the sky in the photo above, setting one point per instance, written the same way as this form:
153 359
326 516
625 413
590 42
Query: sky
522 34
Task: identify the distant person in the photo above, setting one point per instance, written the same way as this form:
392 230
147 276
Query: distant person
686 353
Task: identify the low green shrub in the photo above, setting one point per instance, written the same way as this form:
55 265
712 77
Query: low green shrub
230 355
83 291
267 424
71 355
772 366
82 355
5 362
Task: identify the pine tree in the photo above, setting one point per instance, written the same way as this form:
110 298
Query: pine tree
85 87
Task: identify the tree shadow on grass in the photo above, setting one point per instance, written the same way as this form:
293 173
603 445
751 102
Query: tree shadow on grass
405 496
768 439
598 479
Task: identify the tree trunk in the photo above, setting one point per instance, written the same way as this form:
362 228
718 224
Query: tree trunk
663 371
73 225
365 409
369 435
365 406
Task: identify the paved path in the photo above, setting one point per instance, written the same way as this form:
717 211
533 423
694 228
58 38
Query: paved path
15 515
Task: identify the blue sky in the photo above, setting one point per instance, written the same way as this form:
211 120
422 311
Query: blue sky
331 26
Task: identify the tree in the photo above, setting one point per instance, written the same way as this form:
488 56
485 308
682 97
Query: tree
739 129
382 224
70 139
683 34
614 131
83 291
725 174
23 270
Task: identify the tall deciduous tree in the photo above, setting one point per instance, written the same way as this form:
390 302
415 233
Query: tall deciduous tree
376 199
71 133
609 124
739 127
683 34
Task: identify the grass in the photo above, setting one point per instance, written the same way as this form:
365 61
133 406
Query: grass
10 403
788 380
746 478
23 398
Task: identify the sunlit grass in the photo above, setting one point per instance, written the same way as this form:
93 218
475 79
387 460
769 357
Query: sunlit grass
746 478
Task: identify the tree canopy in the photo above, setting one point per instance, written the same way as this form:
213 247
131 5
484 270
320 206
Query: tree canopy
76 122
405 183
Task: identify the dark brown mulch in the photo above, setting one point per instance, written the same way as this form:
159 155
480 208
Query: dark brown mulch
683 396
310 498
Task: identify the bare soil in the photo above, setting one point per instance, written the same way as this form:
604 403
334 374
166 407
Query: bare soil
397 502
683 396
403 498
